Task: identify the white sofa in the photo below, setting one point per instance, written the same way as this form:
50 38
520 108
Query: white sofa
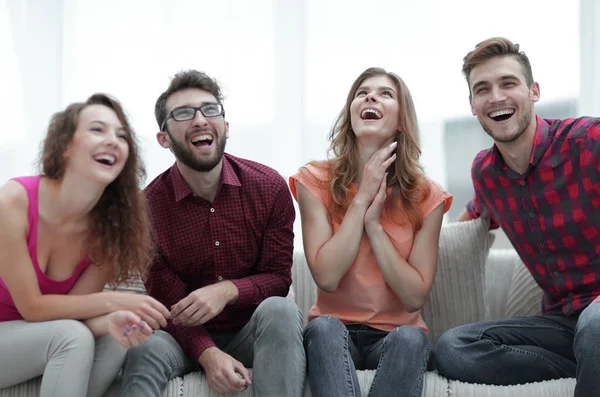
470 286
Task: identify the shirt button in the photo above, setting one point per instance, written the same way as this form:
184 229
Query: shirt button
570 294
220 278
542 245
212 210
217 243
531 214
556 274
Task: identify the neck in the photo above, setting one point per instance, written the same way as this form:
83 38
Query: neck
70 200
202 184
517 154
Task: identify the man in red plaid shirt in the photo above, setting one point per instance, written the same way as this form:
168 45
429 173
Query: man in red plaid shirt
224 234
540 182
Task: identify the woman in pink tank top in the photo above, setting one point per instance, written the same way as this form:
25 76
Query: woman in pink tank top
64 235
371 222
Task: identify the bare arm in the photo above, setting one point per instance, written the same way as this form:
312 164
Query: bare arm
412 279
464 216
329 256
17 271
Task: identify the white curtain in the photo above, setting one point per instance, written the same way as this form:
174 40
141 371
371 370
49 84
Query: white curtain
285 65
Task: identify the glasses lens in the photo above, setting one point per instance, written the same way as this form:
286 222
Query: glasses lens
181 114
211 109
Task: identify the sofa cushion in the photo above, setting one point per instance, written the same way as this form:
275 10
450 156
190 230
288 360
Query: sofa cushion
457 296
524 296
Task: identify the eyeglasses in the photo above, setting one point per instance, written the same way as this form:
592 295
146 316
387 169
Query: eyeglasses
185 113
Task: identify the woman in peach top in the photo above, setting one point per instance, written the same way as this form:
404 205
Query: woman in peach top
370 223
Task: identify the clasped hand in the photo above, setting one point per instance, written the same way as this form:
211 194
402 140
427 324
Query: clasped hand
373 183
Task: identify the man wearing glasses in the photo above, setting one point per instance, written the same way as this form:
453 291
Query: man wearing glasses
223 230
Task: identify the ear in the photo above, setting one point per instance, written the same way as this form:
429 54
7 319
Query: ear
227 129
534 92
471 104
163 139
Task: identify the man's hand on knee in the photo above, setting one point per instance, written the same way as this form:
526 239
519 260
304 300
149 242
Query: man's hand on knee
224 373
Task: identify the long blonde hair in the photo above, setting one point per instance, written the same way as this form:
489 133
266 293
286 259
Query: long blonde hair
406 178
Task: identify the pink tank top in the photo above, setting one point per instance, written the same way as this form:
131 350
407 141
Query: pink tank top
8 311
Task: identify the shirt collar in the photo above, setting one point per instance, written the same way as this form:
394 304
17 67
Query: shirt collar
182 189
541 141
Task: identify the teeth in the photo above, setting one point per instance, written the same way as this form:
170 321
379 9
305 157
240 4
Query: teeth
199 138
501 112
106 157
374 111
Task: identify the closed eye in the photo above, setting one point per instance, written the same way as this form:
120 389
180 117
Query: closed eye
361 92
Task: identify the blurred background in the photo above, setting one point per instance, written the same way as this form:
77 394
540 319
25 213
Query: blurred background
285 67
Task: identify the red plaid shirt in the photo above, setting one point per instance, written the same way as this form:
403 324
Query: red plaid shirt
551 212
245 236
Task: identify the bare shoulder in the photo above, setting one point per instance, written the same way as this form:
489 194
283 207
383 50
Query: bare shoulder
13 205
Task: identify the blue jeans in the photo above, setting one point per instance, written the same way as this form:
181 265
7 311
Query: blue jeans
335 351
270 343
525 349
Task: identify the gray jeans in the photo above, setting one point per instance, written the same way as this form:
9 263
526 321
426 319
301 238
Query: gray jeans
72 362
525 349
270 343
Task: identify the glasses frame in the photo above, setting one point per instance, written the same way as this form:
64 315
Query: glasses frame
196 109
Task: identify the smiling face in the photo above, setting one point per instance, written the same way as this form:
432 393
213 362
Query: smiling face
374 111
99 146
501 98
198 143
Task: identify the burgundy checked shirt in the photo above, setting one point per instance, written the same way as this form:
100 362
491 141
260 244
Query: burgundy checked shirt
551 212
245 236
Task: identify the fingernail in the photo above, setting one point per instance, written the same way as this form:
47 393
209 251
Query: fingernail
124 333
133 327
127 328
142 324
393 143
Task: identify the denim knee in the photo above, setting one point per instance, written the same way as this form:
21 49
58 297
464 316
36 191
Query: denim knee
448 350
408 339
282 315
587 331
326 329
153 350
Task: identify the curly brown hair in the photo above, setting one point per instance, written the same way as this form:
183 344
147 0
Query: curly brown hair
120 234
494 47
406 178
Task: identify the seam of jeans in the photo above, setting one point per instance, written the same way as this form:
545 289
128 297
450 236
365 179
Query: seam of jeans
515 350
378 365
423 369
347 364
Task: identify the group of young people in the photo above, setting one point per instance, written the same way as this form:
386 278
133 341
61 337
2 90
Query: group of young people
212 237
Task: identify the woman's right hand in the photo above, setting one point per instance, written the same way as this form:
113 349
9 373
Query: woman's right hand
151 311
128 329
374 172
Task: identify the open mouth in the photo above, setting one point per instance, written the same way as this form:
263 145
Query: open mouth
105 159
202 140
501 115
370 114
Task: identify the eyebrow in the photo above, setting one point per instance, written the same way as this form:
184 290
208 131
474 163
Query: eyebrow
502 78
381 88
121 128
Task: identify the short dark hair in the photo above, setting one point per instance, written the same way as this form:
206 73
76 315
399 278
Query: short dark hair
181 81
493 47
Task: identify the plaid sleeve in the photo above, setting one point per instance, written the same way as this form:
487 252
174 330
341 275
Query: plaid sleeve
273 270
166 287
